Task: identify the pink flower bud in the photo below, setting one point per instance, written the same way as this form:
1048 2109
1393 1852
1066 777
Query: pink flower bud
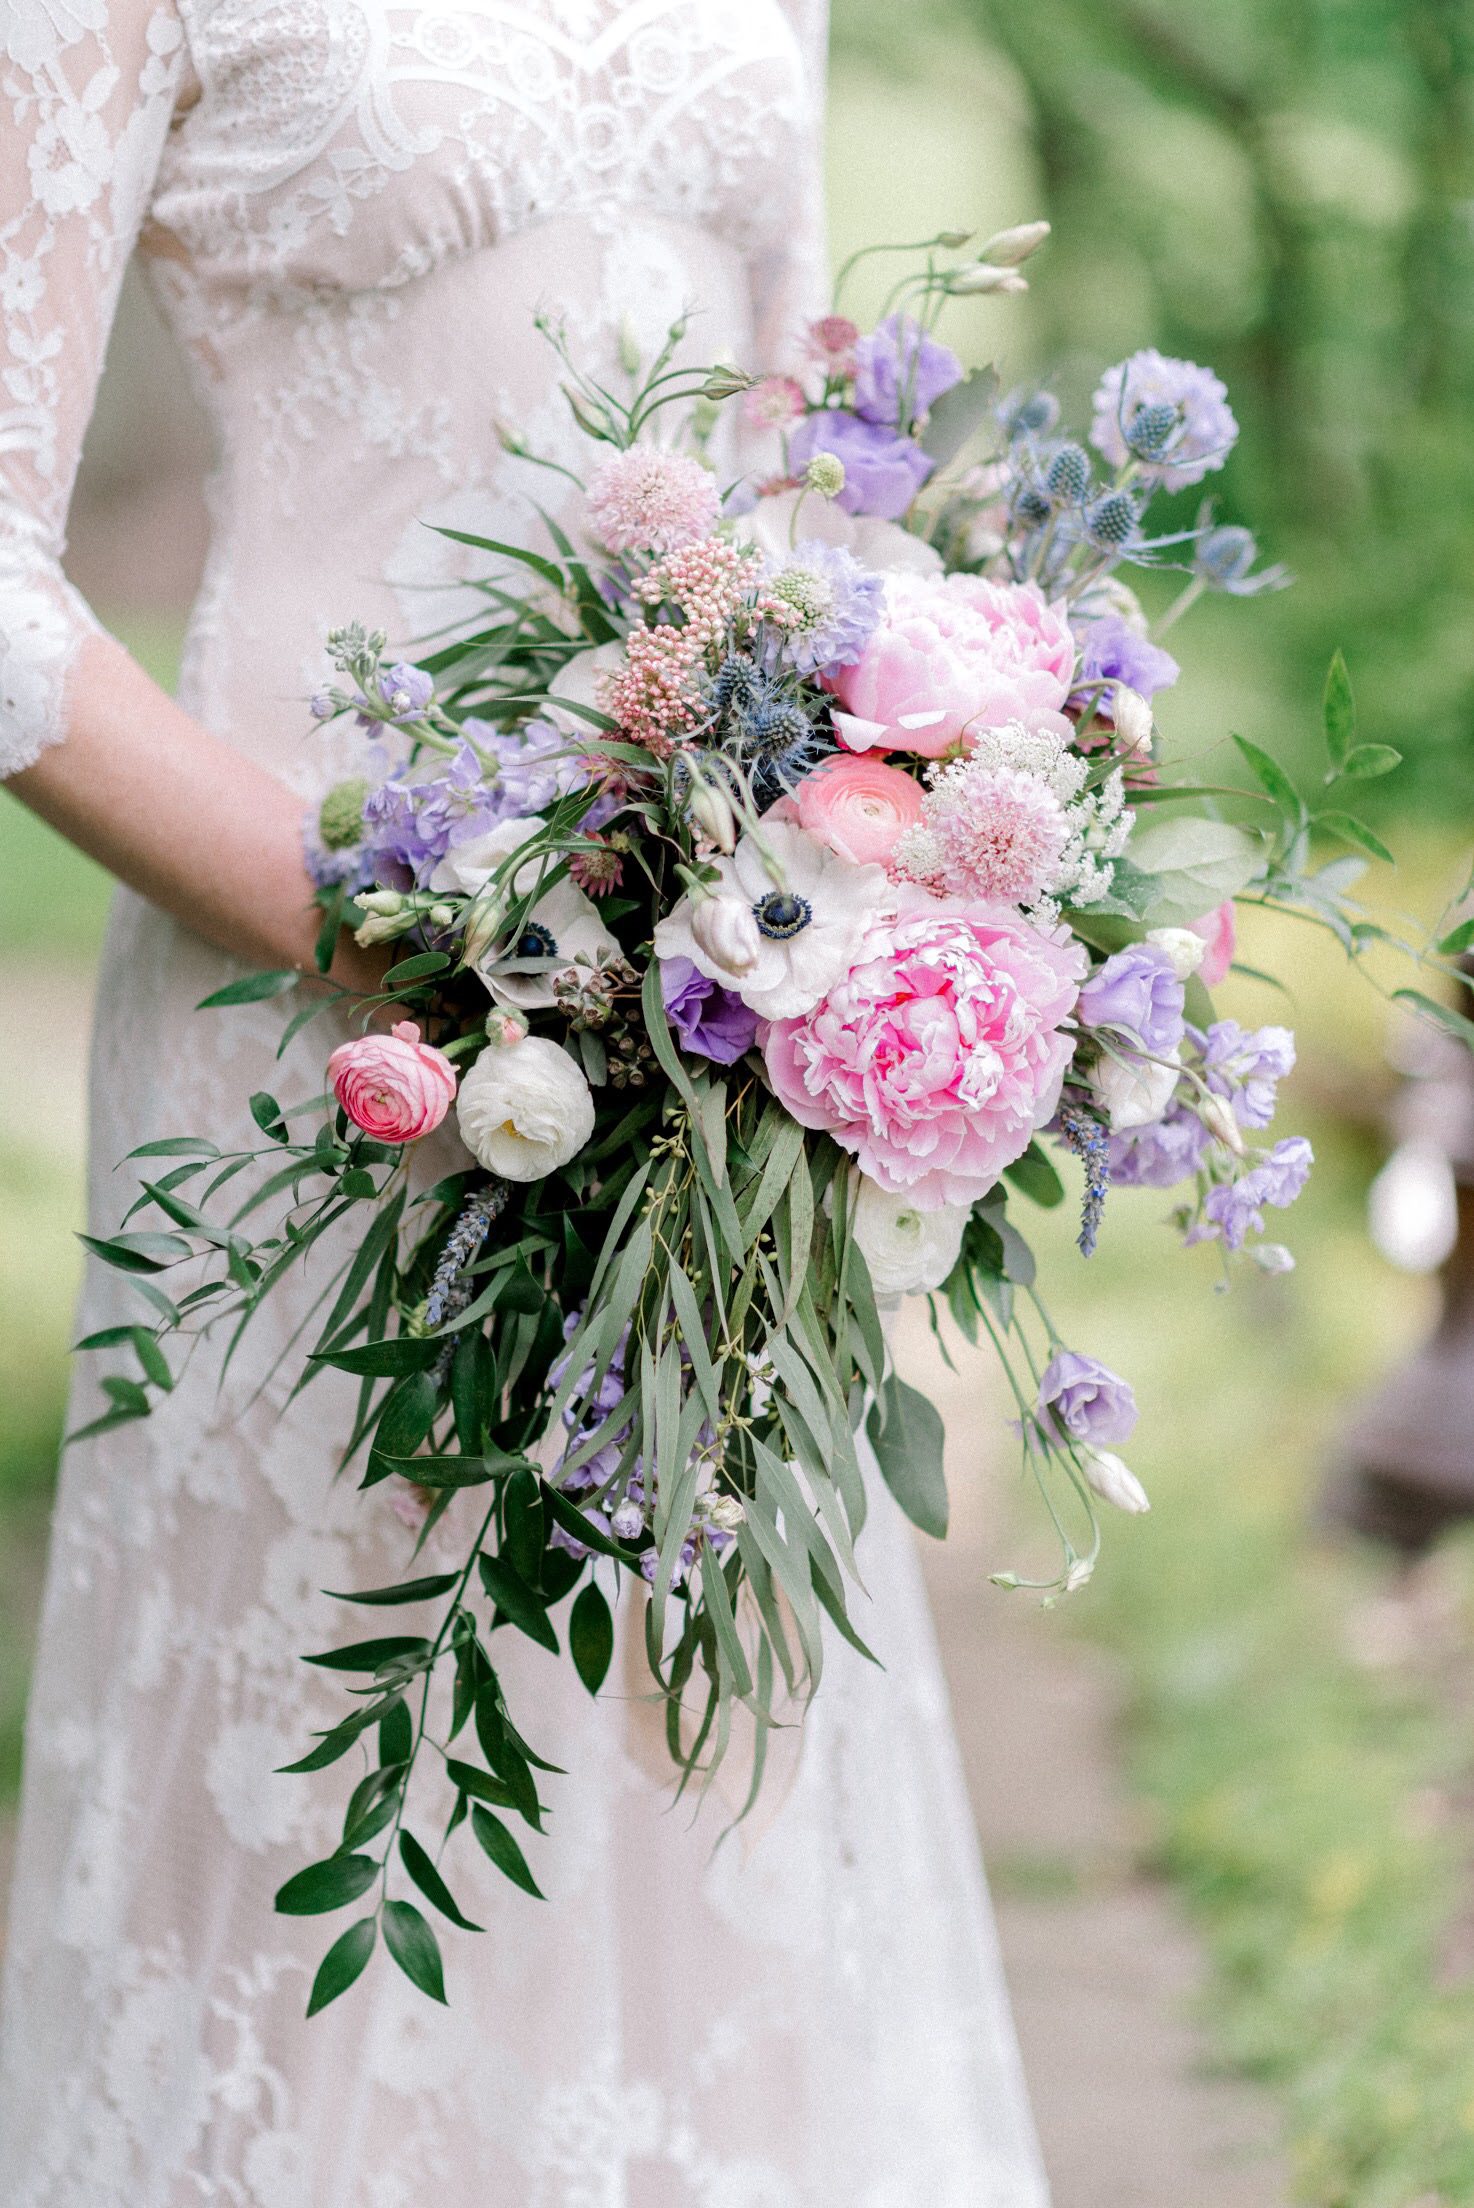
394 1087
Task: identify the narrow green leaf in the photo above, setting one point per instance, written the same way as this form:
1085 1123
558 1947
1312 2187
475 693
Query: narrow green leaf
1338 712
176 1146
251 989
344 1961
329 1885
480 1784
370 1655
1458 940
1272 779
414 1947
430 1882
415 969
516 1600
502 1847
383 1360
1368 761
409 1590
138 1253
1034 1176
1351 830
1442 1014
591 1636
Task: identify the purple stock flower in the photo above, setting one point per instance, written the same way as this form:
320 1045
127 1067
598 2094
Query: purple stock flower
882 471
1111 651
409 826
900 370
1136 993
1235 1210
406 690
1283 1174
1170 416
1084 1401
709 1020
527 767
1244 1065
1160 1155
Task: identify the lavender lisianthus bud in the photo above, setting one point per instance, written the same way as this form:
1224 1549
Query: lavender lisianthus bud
1183 948
727 932
711 811
1132 719
984 276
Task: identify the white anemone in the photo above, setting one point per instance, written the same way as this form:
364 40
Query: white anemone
563 924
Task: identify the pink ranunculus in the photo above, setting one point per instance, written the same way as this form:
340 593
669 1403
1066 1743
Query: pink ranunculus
937 1056
1221 936
394 1087
858 806
953 654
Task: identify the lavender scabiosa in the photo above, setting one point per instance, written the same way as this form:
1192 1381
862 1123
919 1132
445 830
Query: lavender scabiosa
1170 417
836 606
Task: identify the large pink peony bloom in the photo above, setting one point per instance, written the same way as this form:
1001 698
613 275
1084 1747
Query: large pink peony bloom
937 1056
953 654
394 1087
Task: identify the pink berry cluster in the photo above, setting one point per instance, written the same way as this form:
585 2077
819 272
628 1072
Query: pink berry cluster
656 699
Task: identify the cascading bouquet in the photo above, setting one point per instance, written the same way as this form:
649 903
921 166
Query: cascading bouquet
780 876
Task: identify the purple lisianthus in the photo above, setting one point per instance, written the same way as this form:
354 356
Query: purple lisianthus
883 471
838 603
1159 1156
1244 1066
709 1020
901 372
1169 416
1111 651
1137 994
1082 1400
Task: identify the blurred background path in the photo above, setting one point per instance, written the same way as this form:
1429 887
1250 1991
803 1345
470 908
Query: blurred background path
1227 1791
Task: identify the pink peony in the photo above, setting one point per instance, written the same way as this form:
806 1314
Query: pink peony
651 500
1218 930
394 1087
952 654
940 1052
859 807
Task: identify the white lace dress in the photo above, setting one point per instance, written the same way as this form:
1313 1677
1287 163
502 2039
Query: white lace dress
350 210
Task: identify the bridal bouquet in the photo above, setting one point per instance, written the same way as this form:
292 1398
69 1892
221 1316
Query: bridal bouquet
783 887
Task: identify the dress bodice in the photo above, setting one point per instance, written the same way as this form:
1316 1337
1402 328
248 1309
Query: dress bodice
350 213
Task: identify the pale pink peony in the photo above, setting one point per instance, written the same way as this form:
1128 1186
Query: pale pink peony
859 807
651 500
940 1052
1219 932
953 654
394 1087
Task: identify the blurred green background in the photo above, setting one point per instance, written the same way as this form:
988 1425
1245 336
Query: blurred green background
1285 191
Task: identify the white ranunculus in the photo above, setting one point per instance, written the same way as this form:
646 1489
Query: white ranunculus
909 1252
1135 1091
569 920
525 1109
580 680
882 546
1113 1481
1132 719
1184 948
809 920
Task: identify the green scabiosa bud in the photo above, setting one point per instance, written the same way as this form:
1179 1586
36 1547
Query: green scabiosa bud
340 816
825 474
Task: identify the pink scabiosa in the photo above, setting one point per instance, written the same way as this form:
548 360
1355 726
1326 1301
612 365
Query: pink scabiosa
651 500
393 1087
987 831
954 655
934 1059
774 403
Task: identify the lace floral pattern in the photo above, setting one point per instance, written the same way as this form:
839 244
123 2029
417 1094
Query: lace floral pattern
351 211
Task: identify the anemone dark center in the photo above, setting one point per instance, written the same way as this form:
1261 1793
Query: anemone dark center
536 941
781 915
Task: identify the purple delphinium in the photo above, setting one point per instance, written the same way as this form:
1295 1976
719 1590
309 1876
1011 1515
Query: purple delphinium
1235 1210
1111 651
1244 1065
1159 1156
1082 1400
1137 994
839 602
709 1020
901 372
1169 416
882 471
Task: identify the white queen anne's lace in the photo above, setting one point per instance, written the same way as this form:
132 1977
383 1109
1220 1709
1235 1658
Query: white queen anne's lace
351 211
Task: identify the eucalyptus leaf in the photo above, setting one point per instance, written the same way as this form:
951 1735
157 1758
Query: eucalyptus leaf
906 1434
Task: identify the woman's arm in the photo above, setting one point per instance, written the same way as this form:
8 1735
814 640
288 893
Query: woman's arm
180 816
87 739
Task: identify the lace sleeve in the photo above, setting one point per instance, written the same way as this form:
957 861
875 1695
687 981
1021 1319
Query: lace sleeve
86 92
791 284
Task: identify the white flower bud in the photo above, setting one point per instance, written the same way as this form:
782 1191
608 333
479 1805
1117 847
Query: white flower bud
727 931
726 1513
1182 946
1135 1091
985 276
1078 1575
1133 720
1273 1257
1113 1481
1216 1114
386 901
382 928
1009 247
440 916
711 811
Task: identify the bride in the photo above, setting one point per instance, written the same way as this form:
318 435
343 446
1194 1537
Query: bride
349 211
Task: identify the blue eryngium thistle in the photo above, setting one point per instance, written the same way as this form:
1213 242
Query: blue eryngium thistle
1152 428
1224 557
1068 475
1112 519
1083 1133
